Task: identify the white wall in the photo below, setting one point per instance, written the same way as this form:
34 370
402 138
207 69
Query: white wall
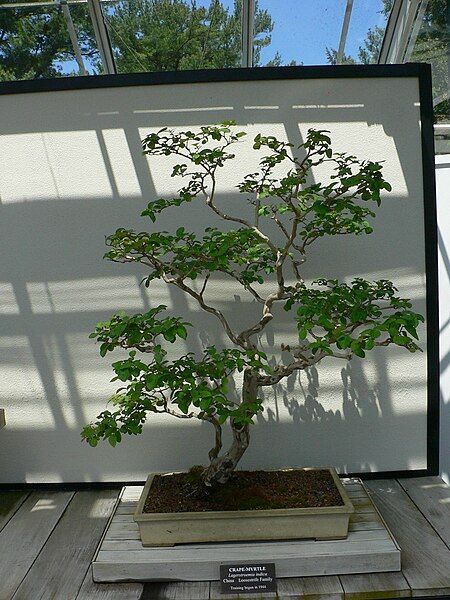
443 208
72 172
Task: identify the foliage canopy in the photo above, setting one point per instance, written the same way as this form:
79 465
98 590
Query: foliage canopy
333 319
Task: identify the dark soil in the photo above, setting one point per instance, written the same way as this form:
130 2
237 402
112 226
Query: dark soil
245 490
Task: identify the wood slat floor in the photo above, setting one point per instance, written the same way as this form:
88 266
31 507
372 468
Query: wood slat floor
48 539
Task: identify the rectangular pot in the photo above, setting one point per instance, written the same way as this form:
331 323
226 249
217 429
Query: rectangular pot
167 529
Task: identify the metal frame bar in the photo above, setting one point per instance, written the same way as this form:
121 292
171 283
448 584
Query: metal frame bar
102 37
418 20
404 22
73 36
247 30
344 32
391 28
405 33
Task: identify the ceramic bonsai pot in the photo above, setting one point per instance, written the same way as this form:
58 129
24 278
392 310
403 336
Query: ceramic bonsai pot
168 529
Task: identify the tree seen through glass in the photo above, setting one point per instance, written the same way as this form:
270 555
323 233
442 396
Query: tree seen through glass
164 35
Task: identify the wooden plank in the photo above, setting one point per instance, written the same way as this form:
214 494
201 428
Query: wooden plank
60 568
10 502
207 571
2 418
131 493
364 517
108 591
425 557
132 533
25 534
362 505
357 494
362 500
184 553
351 483
375 586
107 525
312 588
306 588
431 495
302 546
125 510
122 545
369 525
202 566
182 590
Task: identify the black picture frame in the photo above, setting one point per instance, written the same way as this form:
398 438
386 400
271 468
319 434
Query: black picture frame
422 72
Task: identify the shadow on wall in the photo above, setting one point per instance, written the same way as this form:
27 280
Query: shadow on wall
349 437
75 174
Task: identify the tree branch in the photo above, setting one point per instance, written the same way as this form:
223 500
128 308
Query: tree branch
282 371
205 283
247 286
179 282
209 200
214 452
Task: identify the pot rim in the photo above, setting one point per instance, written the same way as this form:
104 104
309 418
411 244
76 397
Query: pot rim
346 509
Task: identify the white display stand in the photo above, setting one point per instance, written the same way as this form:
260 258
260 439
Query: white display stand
369 548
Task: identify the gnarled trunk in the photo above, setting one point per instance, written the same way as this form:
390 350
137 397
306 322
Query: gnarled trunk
221 467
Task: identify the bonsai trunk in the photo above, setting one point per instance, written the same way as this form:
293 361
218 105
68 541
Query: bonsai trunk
221 467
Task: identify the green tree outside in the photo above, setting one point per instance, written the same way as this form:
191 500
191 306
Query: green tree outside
147 35
35 41
172 35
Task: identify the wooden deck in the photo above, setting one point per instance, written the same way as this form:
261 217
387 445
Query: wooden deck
48 539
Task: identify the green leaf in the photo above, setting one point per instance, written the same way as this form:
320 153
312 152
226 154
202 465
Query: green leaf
356 349
411 330
344 342
302 333
182 332
169 336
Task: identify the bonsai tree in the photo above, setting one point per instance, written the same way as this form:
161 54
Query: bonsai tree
334 320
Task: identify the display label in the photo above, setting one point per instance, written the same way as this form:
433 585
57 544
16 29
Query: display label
248 578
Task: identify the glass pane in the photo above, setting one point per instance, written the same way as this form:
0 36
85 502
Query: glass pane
366 30
305 32
35 42
431 44
172 35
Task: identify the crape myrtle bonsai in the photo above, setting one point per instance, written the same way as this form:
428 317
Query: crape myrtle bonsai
333 319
